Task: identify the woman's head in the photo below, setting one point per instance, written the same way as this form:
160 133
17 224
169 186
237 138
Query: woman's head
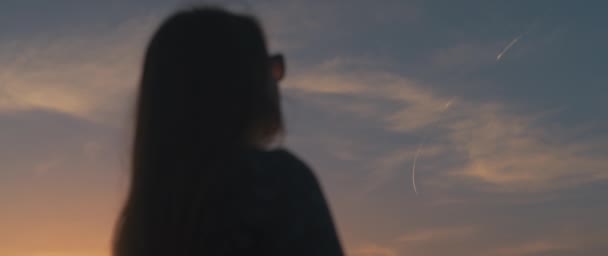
208 91
207 78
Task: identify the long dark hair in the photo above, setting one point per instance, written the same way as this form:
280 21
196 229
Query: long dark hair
206 95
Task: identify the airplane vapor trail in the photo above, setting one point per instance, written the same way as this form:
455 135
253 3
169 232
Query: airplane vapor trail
445 107
414 167
508 47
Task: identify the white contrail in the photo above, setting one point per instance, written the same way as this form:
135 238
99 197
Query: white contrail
511 44
414 167
446 106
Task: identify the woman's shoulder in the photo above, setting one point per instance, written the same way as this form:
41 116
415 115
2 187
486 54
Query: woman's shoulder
275 179
282 167
280 159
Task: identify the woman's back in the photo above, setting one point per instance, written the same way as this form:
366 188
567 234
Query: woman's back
278 209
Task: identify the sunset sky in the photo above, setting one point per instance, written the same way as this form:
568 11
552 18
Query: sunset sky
500 105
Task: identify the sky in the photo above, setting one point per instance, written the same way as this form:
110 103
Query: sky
468 127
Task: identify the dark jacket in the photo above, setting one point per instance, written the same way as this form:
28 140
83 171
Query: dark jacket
279 209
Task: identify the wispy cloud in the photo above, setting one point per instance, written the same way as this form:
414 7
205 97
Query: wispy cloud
509 151
500 149
88 76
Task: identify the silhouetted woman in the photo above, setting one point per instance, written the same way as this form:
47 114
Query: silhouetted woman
203 181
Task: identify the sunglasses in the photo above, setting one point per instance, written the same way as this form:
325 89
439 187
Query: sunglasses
277 66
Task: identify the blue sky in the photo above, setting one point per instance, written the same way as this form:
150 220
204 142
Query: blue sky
509 152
